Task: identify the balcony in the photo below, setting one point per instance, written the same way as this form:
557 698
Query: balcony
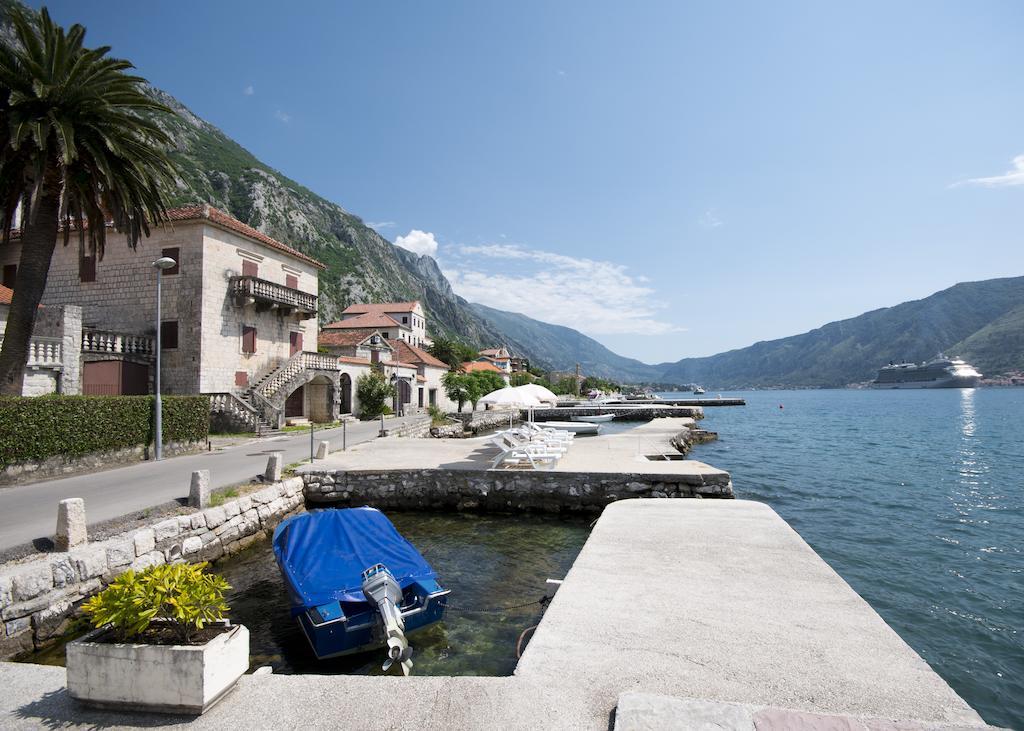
267 295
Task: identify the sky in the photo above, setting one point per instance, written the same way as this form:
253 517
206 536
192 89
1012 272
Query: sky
671 178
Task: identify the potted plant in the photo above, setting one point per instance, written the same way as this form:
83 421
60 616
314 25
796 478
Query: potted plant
161 643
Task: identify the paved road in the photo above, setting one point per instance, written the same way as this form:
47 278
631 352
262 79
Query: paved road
30 512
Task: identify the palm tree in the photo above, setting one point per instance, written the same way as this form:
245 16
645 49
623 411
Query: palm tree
80 148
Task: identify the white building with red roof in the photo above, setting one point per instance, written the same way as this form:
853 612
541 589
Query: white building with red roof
407 318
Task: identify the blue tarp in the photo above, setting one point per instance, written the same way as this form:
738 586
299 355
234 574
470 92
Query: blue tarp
322 554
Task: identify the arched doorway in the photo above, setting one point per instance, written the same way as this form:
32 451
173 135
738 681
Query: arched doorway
346 393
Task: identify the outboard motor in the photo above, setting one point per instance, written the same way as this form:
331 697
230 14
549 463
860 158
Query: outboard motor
380 587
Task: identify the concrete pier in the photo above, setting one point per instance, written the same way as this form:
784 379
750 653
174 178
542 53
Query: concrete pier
640 411
687 612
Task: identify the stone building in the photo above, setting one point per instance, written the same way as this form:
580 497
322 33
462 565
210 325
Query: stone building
498 357
405 319
238 316
55 350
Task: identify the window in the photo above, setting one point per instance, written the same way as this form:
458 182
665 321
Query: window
405 320
248 339
241 379
173 253
169 335
432 395
10 274
420 399
250 268
87 269
292 281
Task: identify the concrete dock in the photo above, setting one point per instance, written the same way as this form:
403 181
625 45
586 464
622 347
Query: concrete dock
676 614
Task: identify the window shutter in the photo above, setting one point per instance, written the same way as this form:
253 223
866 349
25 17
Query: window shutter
87 269
248 339
169 334
292 281
174 253
250 268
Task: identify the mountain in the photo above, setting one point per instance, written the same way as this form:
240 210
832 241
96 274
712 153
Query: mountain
561 348
980 321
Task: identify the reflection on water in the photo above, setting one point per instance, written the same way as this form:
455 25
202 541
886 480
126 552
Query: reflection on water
916 497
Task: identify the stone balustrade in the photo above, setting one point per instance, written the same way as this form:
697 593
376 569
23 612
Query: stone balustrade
43 352
97 341
253 290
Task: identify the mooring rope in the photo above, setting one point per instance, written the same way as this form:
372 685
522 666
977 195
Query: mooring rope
519 642
497 610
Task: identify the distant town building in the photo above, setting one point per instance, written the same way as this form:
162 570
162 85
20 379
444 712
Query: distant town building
405 320
485 365
499 357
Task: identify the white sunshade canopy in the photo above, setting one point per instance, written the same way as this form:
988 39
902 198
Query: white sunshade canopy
510 396
538 392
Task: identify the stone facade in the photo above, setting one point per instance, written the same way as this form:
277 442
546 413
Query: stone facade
55 353
39 596
502 491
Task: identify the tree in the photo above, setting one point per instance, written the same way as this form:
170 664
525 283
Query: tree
483 383
372 393
522 378
457 386
452 352
593 383
80 146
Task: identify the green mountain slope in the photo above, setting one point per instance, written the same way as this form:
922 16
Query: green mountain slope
850 351
561 348
998 347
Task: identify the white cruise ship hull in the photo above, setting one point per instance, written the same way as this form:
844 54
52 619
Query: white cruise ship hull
960 382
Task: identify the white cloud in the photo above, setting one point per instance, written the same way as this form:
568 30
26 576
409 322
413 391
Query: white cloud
380 224
710 219
283 116
418 242
596 297
1014 176
249 90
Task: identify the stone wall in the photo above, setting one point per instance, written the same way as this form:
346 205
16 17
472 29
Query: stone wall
38 596
502 491
64 466
476 421
419 427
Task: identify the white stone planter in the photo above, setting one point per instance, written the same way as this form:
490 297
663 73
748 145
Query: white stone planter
162 678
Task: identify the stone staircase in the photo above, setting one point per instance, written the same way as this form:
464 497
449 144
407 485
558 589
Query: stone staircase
268 391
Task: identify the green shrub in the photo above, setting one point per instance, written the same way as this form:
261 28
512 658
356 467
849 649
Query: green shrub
180 596
437 415
372 391
33 429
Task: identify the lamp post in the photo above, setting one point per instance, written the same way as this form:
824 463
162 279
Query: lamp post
164 262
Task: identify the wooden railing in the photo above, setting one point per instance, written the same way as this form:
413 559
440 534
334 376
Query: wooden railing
254 289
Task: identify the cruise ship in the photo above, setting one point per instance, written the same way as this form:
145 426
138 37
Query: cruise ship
940 372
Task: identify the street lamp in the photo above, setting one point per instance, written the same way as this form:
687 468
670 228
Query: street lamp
164 262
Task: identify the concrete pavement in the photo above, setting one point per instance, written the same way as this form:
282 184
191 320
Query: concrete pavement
30 511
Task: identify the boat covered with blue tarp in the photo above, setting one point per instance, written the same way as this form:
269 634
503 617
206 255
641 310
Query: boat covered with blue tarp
355 582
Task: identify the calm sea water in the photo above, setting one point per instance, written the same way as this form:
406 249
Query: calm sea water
916 498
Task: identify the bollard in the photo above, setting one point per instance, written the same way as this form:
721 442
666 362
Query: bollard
71 531
323 449
199 489
274 466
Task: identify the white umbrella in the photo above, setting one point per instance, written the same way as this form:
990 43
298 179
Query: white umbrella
538 392
509 396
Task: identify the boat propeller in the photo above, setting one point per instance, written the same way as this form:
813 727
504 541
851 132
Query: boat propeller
380 587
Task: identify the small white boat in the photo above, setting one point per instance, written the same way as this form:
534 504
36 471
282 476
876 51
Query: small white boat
576 427
698 390
595 418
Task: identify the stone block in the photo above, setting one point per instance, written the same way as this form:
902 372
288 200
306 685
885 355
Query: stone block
197 521
167 529
32 581
120 553
71 531
231 509
6 595
89 562
145 541
63 570
264 512
244 503
199 489
191 545
215 516
143 562
52 621
323 449
275 464
16 626
184 523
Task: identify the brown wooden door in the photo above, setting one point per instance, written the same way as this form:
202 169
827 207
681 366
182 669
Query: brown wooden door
295 404
295 343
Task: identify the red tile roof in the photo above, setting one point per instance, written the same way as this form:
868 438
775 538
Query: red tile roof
348 337
412 354
380 308
354 361
369 320
5 295
215 215
477 365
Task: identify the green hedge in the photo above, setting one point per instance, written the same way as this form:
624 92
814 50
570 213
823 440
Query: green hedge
32 429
